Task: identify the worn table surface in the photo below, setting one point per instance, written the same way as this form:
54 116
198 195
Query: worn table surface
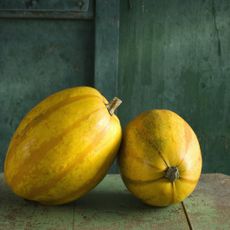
110 206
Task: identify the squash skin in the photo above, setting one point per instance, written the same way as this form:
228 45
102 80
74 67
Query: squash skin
63 147
152 142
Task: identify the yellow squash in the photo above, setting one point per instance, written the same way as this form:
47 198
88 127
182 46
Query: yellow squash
63 147
160 158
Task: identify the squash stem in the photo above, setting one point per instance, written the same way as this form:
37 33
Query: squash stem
172 174
113 105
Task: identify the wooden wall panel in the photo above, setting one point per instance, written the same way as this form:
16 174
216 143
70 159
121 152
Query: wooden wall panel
176 55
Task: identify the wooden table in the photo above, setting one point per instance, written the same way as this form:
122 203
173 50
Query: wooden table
110 206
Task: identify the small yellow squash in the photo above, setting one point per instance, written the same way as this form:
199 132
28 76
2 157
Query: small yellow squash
160 158
63 147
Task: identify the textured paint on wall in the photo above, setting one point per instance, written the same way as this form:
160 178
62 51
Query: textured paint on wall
176 55
173 54
38 58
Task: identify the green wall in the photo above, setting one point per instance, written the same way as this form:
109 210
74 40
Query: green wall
173 54
176 55
38 58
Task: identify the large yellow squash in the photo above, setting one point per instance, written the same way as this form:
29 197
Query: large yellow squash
160 158
63 147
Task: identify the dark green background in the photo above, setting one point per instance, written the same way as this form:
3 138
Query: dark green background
173 54
176 55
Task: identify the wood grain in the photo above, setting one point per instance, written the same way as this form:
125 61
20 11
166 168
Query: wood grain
108 206
208 207
175 55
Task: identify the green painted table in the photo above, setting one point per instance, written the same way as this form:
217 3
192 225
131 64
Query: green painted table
110 206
